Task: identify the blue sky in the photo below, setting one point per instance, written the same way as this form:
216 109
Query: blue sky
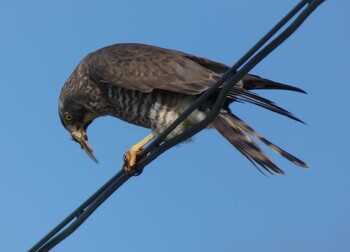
201 196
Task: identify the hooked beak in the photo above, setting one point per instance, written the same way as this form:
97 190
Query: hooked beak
80 137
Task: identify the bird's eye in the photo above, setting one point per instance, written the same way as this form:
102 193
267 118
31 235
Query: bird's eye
68 117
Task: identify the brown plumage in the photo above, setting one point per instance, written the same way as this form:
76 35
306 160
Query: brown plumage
151 86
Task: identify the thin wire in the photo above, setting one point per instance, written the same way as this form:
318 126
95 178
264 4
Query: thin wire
80 214
157 146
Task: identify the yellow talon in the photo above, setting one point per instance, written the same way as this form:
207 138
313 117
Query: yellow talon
130 157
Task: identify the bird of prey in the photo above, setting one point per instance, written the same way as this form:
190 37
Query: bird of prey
151 86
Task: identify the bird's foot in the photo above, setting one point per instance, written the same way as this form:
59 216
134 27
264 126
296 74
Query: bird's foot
130 160
130 157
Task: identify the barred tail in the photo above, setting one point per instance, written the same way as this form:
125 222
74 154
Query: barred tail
238 133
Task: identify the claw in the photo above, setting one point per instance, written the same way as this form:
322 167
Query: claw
130 160
130 157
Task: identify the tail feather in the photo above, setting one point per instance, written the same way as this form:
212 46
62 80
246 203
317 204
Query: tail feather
243 143
274 147
241 92
251 81
255 99
235 131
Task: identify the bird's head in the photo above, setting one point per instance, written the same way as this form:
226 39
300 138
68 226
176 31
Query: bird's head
76 118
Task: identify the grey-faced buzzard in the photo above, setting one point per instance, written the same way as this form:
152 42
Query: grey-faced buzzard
151 86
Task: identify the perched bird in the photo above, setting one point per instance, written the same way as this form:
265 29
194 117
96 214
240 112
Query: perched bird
151 86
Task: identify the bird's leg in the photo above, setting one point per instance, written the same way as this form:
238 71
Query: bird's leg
130 157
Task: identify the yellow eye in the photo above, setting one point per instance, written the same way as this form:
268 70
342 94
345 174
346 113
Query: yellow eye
68 117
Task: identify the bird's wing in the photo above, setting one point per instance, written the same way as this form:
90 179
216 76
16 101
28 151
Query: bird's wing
145 68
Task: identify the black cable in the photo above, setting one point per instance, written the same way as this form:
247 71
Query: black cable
158 146
80 214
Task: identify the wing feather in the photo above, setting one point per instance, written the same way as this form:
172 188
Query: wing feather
145 68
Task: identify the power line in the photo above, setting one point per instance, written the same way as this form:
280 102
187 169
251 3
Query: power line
158 146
